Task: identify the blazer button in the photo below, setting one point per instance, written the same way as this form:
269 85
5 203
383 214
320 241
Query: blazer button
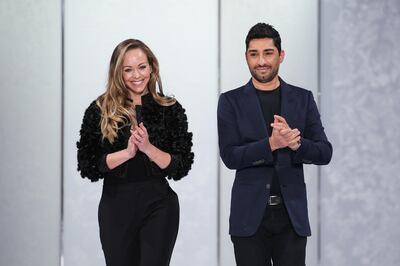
268 186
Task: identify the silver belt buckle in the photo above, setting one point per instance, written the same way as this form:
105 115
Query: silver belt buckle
274 200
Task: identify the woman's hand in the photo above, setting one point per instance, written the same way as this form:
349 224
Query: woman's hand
132 148
119 157
140 138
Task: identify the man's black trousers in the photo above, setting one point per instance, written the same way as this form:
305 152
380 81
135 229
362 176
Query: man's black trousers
275 242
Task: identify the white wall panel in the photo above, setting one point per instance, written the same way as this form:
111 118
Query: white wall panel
360 63
183 35
30 132
297 23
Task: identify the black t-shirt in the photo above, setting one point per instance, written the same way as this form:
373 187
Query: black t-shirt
270 102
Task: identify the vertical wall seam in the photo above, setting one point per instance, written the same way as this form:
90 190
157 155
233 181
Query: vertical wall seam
319 95
62 139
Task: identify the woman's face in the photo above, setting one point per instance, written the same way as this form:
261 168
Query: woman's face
136 72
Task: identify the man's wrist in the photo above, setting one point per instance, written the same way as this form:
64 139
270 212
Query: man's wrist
297 146
272 144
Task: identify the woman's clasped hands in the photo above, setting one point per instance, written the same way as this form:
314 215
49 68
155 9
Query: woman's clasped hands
139 140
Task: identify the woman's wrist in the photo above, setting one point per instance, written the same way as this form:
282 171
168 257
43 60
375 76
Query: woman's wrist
116 158
159 157
128 155
150 150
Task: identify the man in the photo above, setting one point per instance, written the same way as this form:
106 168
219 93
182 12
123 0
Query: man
267 130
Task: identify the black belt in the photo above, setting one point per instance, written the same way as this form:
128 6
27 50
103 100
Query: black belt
274 200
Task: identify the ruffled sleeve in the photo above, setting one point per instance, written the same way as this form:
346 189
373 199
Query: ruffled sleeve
91 155
180 146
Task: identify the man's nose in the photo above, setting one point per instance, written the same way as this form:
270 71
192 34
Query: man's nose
261 60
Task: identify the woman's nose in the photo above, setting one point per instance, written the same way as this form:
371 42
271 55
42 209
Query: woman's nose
136 73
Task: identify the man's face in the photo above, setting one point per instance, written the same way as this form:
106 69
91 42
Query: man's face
263 59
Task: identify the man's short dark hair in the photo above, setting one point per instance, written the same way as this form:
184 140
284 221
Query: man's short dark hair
263 30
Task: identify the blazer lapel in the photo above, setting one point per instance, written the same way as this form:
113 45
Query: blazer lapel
287 106
253 110
288 111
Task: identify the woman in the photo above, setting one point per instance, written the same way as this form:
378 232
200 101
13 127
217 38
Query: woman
133 136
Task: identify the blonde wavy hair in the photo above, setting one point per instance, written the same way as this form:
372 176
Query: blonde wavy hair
116 109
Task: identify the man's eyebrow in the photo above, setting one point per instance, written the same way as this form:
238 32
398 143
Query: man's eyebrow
265 50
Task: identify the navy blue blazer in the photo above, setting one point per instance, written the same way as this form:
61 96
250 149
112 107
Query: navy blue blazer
244 146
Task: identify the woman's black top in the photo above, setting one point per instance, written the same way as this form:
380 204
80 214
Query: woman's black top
167 127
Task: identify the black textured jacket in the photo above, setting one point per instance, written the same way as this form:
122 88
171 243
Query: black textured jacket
167 128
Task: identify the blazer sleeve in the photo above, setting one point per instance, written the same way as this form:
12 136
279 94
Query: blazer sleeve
180 143
315 147
91 155
234 153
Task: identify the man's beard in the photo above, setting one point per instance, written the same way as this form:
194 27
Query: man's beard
266 78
